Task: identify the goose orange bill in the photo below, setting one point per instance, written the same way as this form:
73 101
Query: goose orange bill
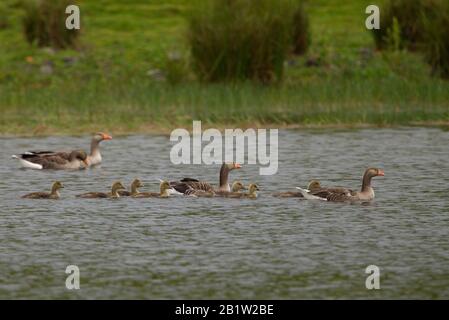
381 173
106 137
237 166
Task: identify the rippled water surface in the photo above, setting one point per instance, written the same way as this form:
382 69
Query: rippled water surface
230 248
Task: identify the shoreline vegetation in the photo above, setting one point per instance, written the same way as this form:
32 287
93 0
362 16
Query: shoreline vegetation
129 75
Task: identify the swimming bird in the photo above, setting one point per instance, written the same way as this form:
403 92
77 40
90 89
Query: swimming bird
237 186
251 194
76 159
164 192
62 159
54 194
341 194
135 185
116 186
189 183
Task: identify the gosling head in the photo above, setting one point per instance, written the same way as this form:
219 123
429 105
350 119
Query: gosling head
79 155
136 183
253 188
314 185
56 186
117 186
237 186
165 185
100 136
164 189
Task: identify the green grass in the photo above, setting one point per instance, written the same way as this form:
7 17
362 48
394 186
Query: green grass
106 83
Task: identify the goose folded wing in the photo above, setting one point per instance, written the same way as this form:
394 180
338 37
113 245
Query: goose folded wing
195 185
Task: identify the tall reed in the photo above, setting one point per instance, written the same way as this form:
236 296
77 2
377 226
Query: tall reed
44 23
436 26
240 39
409 16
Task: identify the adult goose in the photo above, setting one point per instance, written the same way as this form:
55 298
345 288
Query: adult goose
62 160
340 194
164 192
54 194
189 183
135 185
53 160
313 185
116 186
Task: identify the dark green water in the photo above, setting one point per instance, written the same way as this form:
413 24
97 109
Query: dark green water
227 248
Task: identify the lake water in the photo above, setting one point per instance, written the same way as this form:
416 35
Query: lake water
267 248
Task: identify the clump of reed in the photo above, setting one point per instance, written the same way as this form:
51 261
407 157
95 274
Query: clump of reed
4 21
407 16
44 23
436 50
417 25
301 30
241 39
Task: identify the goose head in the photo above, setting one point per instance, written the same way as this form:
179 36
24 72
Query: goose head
100 136
369 174
375 172
314 185
237 186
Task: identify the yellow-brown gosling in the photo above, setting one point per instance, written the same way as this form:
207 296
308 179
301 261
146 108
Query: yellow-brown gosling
251 194
237 186
164 192
54 194
116 186
135 185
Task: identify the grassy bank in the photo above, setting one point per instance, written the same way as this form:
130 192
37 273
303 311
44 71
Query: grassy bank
115 80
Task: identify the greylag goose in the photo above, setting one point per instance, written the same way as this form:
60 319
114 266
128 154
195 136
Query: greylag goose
314 185
62 160
53 160
251 194
340 194
135 185
189 183
54 194
164 192
116 186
